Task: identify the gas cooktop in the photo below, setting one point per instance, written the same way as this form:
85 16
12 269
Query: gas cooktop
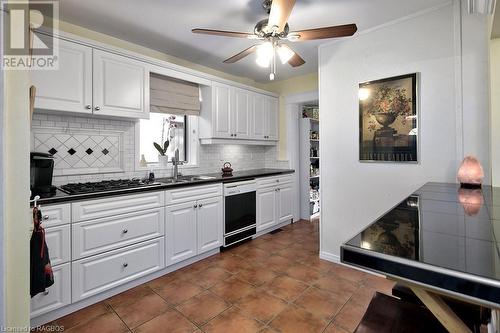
105 186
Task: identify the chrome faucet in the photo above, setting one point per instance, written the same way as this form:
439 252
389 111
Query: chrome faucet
176 163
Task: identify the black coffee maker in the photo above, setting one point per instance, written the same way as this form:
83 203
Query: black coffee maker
41 170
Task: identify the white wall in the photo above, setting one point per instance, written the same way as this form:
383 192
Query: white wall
495 111
2 187
354 193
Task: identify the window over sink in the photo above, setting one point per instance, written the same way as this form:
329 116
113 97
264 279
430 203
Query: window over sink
179 130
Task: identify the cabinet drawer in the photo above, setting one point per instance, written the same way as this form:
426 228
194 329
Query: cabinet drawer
57 295
96 274
101 235
185 194
58 243
273 181
94 209
56 215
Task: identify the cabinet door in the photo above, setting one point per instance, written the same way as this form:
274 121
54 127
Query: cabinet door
285 207
57 295
266 208
69 88
259 117
221 121
180 232
272 118
241 114
121 86
209 217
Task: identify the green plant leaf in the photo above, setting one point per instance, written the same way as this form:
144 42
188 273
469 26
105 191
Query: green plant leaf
165 145
159 148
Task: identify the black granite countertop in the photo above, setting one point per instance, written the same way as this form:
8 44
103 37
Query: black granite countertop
62 197
442 236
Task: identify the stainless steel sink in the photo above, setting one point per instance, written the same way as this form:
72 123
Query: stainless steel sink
172 180
196 178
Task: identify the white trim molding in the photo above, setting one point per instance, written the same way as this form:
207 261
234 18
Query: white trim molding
485 7
329 256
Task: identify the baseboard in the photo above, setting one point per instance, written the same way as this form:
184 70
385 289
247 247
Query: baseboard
329 257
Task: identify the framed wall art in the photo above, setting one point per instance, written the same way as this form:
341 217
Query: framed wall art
388 120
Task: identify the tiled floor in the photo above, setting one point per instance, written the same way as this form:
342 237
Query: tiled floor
275 283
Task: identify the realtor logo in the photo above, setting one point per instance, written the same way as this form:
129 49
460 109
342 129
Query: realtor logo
28 29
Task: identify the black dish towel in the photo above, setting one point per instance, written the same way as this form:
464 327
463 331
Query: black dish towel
41 273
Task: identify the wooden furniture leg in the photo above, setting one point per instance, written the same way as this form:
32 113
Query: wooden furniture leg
441 310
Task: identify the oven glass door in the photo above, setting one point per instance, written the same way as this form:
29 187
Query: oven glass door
239 211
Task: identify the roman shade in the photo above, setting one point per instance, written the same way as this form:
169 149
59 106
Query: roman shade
174 96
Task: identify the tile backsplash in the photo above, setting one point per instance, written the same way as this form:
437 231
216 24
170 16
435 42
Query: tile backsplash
93 149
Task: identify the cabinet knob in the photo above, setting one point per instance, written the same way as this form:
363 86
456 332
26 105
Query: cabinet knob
236 135
45 217
97 108
46 292
200 205
125 231
88 106
195 206
125 264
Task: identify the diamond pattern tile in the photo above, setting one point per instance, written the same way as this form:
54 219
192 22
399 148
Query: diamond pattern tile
80 150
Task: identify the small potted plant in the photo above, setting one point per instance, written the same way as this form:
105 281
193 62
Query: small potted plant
162 147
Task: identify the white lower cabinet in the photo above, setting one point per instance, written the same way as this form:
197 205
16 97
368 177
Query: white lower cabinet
93 275
209 222
58 242
193 228
274 201
180 232
266 208
101 235
57 295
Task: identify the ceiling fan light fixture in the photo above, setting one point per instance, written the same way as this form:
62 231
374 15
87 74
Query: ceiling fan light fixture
264 54
285 53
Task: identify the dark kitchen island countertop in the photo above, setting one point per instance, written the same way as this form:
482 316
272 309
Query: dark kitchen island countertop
62 197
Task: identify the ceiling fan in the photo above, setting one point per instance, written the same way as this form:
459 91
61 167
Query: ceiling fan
274 31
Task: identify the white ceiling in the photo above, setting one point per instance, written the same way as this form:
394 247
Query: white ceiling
165 25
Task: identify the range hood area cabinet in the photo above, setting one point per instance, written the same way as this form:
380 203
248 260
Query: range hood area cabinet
231 114
92 81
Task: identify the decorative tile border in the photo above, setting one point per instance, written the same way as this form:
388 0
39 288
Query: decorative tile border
78 151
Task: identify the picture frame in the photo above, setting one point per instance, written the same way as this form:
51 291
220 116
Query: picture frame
389 120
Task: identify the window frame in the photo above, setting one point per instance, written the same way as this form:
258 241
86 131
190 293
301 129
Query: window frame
192 147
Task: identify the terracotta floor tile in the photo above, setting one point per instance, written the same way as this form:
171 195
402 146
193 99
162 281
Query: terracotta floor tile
285 287
232 264
203 307
348 273
270 246
232 320
256 275
232 289
292 255
321 303
106 323
304 273
254 253
332 328
363 296
277 263
297 320
171 321
210 276
336 284
261 305
129 296
164 280
379 283
82 316
349 316
179 291
142 310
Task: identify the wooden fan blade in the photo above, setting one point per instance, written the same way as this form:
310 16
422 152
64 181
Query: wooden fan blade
280 12
327 32
241 55
223 33
296 60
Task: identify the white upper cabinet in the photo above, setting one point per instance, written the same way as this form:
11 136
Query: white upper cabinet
121 86
259 117
240 122
272 118
69 88
221 110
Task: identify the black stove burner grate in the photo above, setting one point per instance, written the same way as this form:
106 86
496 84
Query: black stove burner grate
103 186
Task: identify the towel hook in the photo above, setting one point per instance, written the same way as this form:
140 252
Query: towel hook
35 201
